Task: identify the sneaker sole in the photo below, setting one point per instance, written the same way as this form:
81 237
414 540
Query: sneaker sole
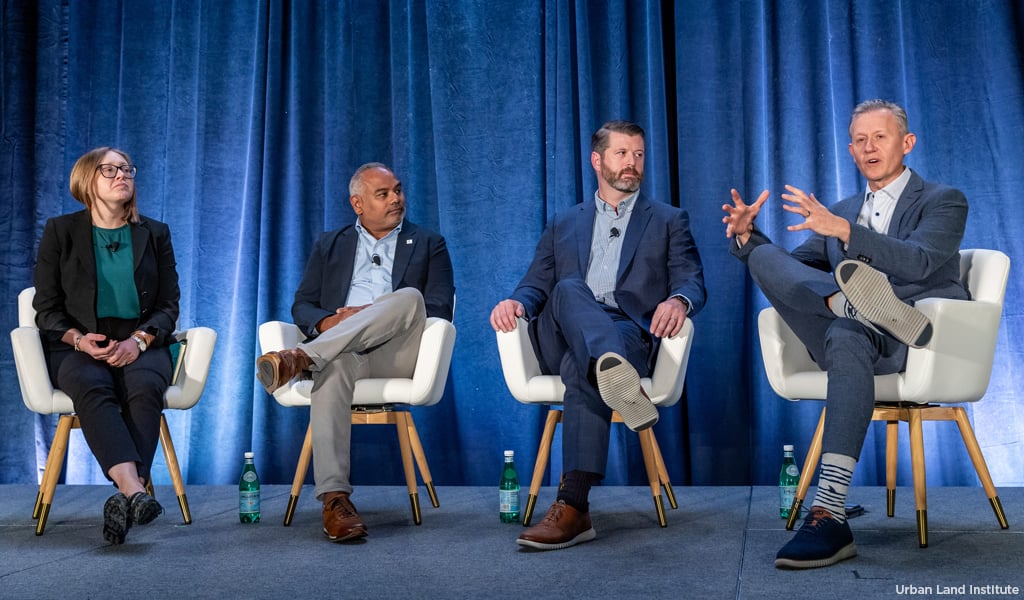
869 291
619 386
586 536
353 535
848 551
115 521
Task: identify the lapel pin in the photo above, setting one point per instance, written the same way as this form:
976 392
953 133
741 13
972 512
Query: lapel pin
408 241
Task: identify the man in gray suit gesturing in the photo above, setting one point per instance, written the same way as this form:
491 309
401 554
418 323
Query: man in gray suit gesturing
848 293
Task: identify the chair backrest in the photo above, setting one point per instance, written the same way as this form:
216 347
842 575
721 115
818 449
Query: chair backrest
985 273
39 395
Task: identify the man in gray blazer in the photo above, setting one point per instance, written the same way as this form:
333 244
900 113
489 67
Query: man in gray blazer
848 293
362 303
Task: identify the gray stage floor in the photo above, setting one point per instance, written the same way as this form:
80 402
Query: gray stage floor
720 543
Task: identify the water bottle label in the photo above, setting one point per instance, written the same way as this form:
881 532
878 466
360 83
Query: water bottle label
787 493
249 476
508 501
248 502
792 471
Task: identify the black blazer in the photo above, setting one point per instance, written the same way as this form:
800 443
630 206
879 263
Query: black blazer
421 262
65 278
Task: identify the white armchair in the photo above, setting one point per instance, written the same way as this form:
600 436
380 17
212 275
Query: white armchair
41 397
374 401
529 386
953 369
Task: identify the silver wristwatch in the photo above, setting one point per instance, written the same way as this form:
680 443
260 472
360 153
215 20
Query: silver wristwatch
141 342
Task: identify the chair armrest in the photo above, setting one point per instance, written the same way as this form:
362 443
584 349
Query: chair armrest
426 386
787 364
279 335
33 377
433 362
957 363
670 366
518 361
190 380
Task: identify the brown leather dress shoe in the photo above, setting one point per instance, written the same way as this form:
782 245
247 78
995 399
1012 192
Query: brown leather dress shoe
562 527
275 369
341 521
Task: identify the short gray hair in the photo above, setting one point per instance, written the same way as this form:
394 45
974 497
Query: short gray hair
355 185
877 104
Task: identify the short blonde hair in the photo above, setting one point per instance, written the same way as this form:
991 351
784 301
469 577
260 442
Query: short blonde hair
83 177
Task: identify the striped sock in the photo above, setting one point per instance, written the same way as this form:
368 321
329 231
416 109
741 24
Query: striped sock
833 483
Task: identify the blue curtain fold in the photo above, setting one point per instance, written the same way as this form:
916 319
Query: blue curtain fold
247 118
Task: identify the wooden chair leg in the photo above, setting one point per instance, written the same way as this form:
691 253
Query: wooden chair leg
810 465
172 466
663 473
54 464
647 447
543 455
892 435
421 461
974 450
917 462
300 475
401 420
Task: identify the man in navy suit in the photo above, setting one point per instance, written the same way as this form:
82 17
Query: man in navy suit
848 293
362 303
610 277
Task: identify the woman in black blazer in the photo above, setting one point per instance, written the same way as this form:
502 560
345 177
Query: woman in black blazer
106 305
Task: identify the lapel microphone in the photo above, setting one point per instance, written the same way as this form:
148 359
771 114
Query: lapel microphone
615 232
376 259
113 246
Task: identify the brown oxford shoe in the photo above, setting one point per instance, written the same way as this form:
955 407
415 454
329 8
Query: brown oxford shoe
341 521
275 369
562 527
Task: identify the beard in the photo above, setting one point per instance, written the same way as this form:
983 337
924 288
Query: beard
623 185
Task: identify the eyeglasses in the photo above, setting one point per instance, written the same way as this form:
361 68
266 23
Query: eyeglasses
110 171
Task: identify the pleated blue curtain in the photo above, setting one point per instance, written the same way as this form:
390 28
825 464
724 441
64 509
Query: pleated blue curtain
247 119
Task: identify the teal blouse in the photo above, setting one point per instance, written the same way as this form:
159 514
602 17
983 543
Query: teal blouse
116 295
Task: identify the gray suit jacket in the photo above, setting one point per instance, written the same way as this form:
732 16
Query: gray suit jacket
920 253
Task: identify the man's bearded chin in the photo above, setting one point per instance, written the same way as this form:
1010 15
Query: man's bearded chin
624 185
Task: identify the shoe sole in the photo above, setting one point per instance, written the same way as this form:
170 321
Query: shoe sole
586 536
352 535
266 372
619 386
115 520
869 291
848 551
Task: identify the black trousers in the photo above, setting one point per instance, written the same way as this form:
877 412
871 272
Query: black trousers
118 408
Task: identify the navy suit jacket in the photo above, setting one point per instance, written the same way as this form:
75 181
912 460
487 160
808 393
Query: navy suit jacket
920 253
659 260
421 262
65 279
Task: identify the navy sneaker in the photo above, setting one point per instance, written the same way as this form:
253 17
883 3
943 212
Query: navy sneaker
821 541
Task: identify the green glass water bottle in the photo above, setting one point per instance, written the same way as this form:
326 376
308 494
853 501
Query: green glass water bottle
249 492
508 491
789 477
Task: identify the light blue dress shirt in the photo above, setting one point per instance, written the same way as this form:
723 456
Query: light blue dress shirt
371 272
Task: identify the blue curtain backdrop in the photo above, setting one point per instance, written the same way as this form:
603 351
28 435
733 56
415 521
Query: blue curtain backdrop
247 118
